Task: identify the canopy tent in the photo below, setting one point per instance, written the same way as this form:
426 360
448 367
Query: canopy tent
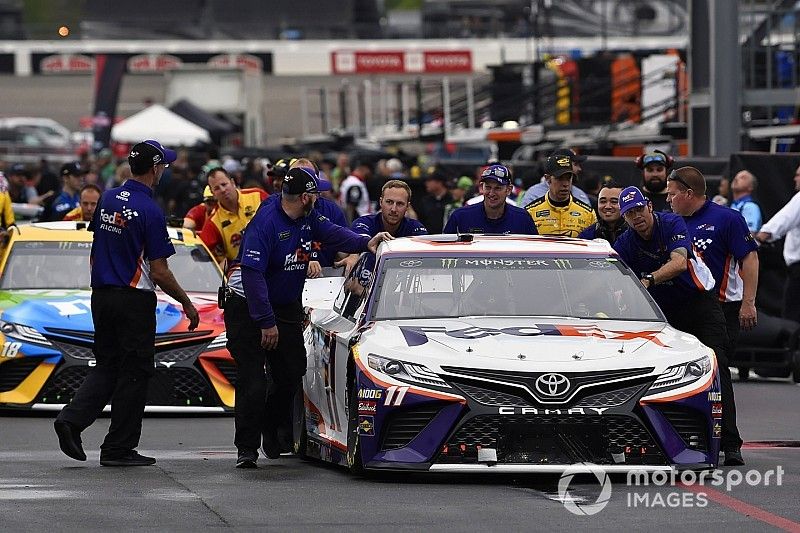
215 126
159 123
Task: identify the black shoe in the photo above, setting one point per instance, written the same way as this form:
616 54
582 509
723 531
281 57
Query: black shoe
733 458
247 459
270 446
69 439
133 458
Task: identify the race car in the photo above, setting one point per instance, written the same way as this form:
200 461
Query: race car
501 354
47 332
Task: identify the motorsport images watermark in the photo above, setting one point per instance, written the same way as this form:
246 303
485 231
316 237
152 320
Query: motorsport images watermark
726 480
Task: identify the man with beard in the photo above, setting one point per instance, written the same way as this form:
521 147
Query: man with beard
654 166
264 313
609 223
493 215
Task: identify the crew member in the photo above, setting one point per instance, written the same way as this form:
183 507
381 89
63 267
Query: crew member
90 195
654 166
222 231
264 316
493 215
723 241
69 198
609 223
196 216
129 258
558 212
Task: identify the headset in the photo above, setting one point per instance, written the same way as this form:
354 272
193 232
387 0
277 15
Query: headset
639 162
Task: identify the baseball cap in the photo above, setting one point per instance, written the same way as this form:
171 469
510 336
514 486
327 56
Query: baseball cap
323 184
654 157
570 153
299 180
72 169
558 165
465 183
629 198
435 174
498 173
207 194
149 153
18 168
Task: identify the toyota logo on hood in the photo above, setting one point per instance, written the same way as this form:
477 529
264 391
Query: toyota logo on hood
552 384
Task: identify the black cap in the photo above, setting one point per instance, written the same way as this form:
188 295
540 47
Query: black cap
279 169
72 169
148 154
18 169
558 165
566 151
299 180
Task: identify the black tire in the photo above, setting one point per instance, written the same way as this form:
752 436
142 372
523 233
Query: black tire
796 367
300 437
744 373
354 462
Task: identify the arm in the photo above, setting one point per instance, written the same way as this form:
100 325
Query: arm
212 238
784 220
8 210
749 273
255 287
673 268
162 276
339 238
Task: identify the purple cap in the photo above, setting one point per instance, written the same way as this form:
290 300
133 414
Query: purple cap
629 198
149 153
498 173
322 183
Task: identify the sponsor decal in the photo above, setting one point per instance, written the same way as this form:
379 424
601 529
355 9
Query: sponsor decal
417 335
395 399
282 236
540 411
73 63
714 396
599 264
716 409
367 407
563 264
399 62
241 61
574 214
628 197
370 394
10 350
410 263
123 196
449 263
153 63
543 213
366 425
552 385
717 429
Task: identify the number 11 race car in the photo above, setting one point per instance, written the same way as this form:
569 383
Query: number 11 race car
502 354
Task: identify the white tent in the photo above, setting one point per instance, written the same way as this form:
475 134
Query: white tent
159 123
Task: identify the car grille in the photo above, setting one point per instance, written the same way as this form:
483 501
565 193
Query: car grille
553 439
175 355
493 398
74 350
691 425
610 398
177 386
14 372
402 426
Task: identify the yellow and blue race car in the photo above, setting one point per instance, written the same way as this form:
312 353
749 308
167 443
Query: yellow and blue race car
46 328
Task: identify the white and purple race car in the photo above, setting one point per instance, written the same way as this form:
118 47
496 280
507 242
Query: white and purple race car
501 354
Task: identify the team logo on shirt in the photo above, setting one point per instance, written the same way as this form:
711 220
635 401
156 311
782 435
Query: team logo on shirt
115 221
299 259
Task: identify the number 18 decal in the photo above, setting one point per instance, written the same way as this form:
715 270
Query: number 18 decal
395 399
10 349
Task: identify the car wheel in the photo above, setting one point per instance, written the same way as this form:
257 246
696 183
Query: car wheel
354 462
300 444
744 373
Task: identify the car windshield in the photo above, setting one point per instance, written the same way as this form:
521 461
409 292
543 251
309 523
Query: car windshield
65 265
575 287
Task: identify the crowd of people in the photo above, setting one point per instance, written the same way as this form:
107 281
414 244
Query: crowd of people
696 256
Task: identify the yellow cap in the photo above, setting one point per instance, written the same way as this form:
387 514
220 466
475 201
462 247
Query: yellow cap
207 193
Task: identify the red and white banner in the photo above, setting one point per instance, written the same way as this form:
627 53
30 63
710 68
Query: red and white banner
398 62
242 61
153 63
71 63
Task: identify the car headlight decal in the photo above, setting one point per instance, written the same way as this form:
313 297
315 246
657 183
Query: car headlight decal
23 333
681 375
404 371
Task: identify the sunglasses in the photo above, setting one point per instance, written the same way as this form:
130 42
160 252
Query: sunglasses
674 177
497 172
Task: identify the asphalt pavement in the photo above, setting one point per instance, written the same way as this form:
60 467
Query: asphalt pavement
194 486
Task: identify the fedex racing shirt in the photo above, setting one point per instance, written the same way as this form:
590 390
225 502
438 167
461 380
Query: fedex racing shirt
129 230
722 239
473 219
646 256
371 225
275 253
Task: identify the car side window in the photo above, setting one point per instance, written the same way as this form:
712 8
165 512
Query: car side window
354 289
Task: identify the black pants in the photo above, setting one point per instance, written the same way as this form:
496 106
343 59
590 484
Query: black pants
266 380
730 432
124 350
704 318
791 296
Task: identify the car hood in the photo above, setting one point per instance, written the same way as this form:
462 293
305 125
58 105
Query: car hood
70 310
486 341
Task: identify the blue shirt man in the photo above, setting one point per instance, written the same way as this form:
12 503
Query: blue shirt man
743 186
493 215
70 196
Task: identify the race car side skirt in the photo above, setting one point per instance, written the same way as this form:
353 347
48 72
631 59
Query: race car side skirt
147 409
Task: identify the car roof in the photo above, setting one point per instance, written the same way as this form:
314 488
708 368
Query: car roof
500 244
75 231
